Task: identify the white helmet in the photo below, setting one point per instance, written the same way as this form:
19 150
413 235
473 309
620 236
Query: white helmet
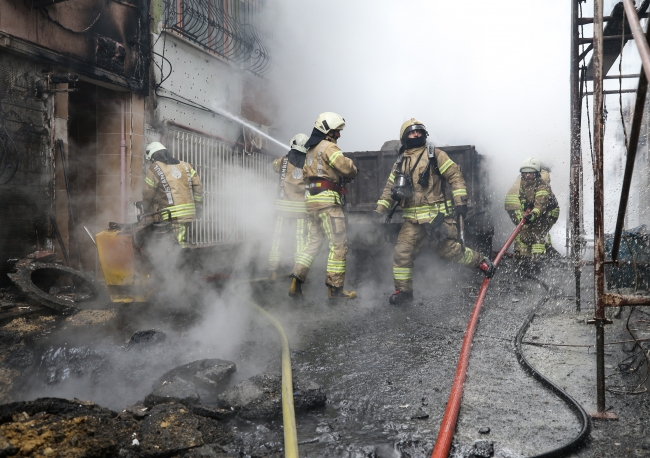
298 142
152 148
329 121
531 165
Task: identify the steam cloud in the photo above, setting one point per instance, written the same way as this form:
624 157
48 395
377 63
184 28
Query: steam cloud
481 73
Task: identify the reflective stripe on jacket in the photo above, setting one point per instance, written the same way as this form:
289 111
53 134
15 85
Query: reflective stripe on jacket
326 161
173 186
427 201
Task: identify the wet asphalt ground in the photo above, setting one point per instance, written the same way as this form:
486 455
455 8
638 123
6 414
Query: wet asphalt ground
387 370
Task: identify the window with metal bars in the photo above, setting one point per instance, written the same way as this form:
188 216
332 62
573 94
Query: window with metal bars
226 174
226 28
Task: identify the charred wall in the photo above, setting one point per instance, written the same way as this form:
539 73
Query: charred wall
26 185
104 40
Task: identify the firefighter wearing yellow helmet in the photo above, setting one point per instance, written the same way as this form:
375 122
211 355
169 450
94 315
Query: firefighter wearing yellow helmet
431 191
290 206
173 185
324 172
534 193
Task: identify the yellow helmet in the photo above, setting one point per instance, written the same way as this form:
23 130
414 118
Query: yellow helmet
298 142
411 125
329 121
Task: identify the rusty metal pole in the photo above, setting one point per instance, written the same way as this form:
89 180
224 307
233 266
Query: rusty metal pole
599 192
599 209
576 155
644 51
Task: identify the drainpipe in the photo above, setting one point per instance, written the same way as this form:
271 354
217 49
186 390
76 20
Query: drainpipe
122 162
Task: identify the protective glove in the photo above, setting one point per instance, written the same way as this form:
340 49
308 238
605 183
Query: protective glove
530 217
199 211
436 230
460 210
380 209
487 267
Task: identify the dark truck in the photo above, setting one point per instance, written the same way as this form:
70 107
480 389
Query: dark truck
365 226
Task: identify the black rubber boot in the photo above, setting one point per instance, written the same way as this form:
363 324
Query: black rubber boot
400 298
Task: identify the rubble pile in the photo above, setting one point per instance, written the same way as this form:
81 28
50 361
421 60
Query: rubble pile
72 428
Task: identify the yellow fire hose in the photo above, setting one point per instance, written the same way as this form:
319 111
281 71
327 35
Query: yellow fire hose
288 413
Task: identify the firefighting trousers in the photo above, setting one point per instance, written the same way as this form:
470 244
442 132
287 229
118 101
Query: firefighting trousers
327 223
181 231
412 236
298 226
534 238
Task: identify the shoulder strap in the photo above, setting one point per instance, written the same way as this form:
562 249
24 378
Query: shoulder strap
399 161
433 160
416 164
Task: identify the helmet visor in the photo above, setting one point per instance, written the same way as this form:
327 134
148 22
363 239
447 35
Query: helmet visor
412 128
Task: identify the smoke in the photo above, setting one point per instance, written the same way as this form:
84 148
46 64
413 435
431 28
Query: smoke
494 75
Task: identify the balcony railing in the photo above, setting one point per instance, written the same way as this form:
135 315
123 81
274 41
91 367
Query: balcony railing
223 27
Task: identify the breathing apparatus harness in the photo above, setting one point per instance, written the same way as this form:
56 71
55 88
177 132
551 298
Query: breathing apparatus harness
317 185
402 184
423 180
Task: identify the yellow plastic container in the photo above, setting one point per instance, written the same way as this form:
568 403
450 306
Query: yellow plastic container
117 257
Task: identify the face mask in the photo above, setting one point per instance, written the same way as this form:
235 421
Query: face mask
415 142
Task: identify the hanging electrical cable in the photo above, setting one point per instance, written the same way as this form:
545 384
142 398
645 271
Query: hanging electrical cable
620 80
46 12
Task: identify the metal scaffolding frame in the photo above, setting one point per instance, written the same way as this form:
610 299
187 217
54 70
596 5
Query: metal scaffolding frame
602 60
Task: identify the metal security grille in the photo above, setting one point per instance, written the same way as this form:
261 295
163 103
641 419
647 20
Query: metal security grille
226 173
224 27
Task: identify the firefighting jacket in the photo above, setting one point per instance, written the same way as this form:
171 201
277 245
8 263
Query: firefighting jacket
512 198
516 207
326 161
291 194
176 187
537 194
426 201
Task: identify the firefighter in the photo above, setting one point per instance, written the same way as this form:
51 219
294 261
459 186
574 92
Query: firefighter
290 204
174 185
431 190
324 172
513 205
534 193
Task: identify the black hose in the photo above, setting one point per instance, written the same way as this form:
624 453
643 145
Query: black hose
578 441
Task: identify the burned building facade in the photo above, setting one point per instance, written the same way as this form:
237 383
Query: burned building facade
85 85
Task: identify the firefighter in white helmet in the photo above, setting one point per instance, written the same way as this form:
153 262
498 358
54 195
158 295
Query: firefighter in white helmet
431 191
534 193
173 185
324 172
290 206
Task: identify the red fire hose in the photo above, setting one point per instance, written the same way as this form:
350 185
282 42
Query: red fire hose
443 443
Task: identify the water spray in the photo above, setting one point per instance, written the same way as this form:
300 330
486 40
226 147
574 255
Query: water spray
239 120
